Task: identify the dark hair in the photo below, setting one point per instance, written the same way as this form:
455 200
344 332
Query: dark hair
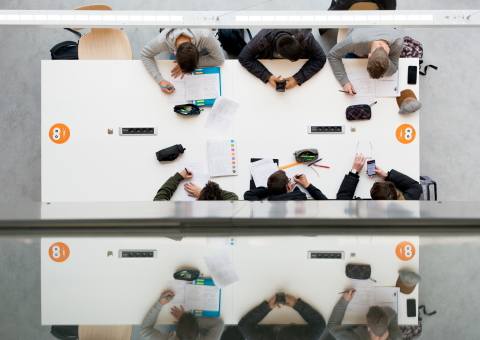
211 192
187 57
289 48
383 191
187 327
232 333
291 332
277 183
378 63
377 320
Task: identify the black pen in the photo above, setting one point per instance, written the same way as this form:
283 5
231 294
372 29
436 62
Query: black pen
344 91
297 177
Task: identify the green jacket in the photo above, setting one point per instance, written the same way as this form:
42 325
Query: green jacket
168 188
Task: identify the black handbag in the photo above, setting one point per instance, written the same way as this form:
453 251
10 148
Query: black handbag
359 272
67 50
170 154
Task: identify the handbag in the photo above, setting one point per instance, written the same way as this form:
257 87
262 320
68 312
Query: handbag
359 272
359 112
170 154
187 109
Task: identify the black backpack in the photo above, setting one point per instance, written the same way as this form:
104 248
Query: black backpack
65 332
231 40
67 50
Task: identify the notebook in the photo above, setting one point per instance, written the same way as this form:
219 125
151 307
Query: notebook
222 157
209 313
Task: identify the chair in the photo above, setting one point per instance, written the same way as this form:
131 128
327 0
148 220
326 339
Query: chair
103 43
426 182
112 332
359 6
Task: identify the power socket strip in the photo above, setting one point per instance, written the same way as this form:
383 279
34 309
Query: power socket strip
325 254
326 129
137 254
138 131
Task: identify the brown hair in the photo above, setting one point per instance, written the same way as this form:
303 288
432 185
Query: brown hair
211 192
378 63
187 327
289 48
377 320
383 191
277 183
187 57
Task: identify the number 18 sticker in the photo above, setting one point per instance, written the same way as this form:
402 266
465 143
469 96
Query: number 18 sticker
59 252
405 251
59 133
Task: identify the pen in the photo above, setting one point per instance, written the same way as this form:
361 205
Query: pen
322 166
166 297
347 291
318 160
187 171
166 87
297 177
344 91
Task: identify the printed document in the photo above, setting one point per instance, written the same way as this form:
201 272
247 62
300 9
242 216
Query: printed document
364 86
261 170
177 97
177 287
294 170
199 179
221 117
222 157
203 86
363 298
388 86
387 297
221 268
202 297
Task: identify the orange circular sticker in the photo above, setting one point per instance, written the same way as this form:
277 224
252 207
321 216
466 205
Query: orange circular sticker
405 251
59 252
59 133
405 133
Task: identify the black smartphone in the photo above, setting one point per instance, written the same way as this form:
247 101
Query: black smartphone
412 75
281 86
411 308
280 298
370 168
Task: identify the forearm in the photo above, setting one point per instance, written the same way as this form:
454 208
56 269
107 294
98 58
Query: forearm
256 194
247 324
247 59
335 60
394 59
147 328
316 193
147 55
316 322
167 190
214 327
215 55
338 313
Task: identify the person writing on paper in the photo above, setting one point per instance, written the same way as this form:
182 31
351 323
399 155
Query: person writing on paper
385 190
188 327
382 47
281 188
293 44
193 48
211 191
382 323
250 329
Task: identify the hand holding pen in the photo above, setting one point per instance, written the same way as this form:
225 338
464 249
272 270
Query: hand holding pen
166 297
348 295
186 173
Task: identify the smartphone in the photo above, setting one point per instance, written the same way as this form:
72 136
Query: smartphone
412 75
411 308
280 297
281 86
371 168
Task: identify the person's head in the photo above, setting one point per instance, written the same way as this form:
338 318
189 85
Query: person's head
291 332
378 63
289 48
232 333
211 192
187 327
187 57
383 191
377 321
278 183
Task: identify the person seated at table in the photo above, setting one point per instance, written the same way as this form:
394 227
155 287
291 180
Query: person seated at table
188 327
386 190
192 48
281 188
232 333
382 47
250 329
211 191
293 44
382 323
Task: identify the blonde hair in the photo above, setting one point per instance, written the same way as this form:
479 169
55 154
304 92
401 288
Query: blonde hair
378 63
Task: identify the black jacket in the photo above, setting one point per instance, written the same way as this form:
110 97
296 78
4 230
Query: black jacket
410 188
344 5
251 331
296 195
263 45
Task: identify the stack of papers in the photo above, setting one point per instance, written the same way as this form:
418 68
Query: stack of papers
261 170
221 268
192 296
221 117
387 297
364 86
363 298
388 86
194 87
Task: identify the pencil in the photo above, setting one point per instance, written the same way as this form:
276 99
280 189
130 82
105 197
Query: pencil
322 166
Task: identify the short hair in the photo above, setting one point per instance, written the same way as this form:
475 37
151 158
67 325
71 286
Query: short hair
232 333
211 192
378 63
187 327
277 183
291 332
187 57
377 320
383 191
289 48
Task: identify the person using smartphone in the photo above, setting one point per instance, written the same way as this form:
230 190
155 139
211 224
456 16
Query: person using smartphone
381 190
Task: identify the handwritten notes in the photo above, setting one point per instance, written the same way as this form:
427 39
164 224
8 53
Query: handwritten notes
221 117
221 268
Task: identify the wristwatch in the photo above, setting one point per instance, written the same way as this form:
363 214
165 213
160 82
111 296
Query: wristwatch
353 171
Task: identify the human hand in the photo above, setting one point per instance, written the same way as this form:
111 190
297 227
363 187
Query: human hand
290 301
166 300
177 312
273 81
348 87
192 189
272 304
348 296
167 84
176 72
379 172
186 175
302 180
359 162
291 83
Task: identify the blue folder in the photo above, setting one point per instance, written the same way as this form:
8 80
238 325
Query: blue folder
208 70
208 282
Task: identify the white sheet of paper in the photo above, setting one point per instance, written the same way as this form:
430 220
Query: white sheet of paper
294 170
388 86
221 268
222 157
194 166
222 115
177 97
363 297
387 297
203 86
364 86
261 170
202 297
221 242
177 287
199 179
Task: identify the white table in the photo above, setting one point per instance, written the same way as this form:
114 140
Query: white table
92 96
91 288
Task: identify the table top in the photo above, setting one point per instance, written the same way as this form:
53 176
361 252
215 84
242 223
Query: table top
92 288
92 96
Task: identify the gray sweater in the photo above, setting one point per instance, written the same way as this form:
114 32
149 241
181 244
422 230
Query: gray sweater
360 333
165 42
210 328
358 41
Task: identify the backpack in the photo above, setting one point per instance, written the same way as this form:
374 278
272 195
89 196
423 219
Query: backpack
67 50
65 332
231 40
414 49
